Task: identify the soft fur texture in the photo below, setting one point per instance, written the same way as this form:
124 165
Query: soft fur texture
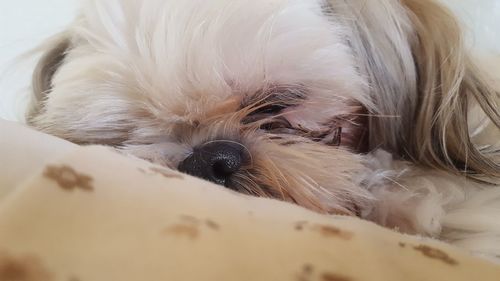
377 102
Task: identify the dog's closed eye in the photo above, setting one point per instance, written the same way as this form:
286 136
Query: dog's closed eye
272 102
277 125
269 119
270 109
268 115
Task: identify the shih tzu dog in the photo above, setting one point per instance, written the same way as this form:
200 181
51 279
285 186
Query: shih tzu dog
365 108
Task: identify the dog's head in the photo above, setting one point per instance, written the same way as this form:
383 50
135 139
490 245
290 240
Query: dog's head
275 98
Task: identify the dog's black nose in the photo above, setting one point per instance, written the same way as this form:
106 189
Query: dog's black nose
215 161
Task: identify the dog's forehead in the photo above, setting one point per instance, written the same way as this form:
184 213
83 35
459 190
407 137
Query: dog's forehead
192 49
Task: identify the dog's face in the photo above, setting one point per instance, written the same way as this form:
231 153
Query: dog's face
267 97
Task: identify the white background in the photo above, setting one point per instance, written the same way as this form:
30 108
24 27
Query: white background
25 23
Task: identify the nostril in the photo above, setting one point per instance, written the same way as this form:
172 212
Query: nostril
222 169
214 161
225 166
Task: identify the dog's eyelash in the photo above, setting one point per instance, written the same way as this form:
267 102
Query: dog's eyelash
274 100
268 110
276 124
280 126
271 109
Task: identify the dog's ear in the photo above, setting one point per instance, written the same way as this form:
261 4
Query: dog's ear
448 82
53 54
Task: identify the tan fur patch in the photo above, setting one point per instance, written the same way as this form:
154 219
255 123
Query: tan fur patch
69 179
228 106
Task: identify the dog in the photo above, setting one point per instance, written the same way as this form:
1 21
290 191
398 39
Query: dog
373 109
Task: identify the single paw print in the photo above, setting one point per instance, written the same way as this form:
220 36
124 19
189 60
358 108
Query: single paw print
69 179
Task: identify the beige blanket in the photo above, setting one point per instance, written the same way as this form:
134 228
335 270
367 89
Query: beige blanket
74 213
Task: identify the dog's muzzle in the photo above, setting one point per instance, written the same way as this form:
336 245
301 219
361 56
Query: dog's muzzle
215 161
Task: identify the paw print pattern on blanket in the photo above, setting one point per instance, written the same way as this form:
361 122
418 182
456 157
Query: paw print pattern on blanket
432 253
309 274
333 277
52 236
435 254
325 230
190 227
69 179
27 268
